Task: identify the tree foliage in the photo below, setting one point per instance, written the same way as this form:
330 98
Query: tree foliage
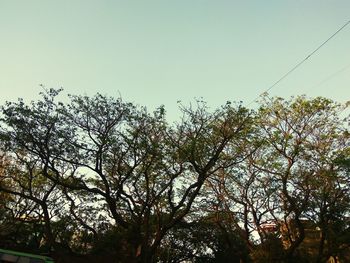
100 176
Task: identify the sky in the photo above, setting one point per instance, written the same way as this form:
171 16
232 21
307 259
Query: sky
159 52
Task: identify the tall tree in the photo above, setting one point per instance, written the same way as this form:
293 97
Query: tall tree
26 134
301 139
145 174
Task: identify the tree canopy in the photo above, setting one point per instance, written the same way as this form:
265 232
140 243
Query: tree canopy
102 178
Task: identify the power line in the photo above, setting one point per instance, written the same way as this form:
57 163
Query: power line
332 76
302 61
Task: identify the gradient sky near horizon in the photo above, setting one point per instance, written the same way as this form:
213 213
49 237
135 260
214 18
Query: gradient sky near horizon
159 52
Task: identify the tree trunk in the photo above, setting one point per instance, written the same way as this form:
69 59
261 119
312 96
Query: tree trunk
48 231
321 245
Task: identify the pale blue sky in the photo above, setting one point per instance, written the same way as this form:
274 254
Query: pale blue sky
158 52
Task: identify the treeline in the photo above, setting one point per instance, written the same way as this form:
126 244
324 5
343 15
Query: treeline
100 179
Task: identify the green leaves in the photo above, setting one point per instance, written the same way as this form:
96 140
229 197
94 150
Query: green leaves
145 176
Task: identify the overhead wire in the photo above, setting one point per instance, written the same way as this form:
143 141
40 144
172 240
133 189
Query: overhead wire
331 76
301 62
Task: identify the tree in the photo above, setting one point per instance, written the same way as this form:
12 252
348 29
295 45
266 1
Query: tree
143 173
211 238
301 139
122 180
26 133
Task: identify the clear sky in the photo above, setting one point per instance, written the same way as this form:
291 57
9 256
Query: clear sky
155 52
